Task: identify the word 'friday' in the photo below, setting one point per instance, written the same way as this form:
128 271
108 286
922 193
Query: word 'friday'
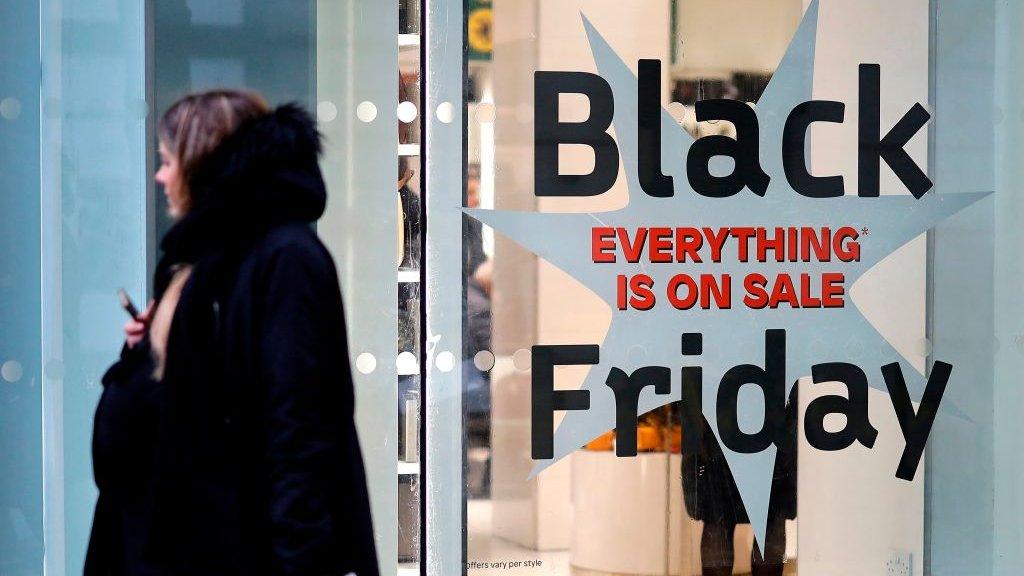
771 379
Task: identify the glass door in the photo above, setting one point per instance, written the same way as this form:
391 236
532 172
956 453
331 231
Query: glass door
710 261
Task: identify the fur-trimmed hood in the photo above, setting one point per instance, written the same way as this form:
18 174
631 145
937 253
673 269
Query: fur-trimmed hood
264 175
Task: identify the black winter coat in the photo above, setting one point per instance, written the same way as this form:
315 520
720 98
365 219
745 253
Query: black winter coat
709 490
255 465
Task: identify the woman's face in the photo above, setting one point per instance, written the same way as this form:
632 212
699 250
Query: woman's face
169 176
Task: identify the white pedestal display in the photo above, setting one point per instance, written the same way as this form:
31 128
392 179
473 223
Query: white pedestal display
629 519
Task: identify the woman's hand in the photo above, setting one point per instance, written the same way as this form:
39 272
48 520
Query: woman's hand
135 329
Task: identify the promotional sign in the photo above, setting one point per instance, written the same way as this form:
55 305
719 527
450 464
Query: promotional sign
730 268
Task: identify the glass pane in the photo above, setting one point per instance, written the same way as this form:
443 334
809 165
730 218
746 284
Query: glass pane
81 89
95 227
591 511
341 63
679 281
21 484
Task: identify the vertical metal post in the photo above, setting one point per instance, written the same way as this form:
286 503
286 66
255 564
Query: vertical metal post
443 145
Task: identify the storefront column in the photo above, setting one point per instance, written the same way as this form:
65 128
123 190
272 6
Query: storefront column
356 93
444 129
959 459
21 512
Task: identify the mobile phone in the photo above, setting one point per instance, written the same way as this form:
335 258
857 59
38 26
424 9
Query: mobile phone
127 304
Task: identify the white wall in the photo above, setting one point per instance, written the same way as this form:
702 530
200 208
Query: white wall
716 35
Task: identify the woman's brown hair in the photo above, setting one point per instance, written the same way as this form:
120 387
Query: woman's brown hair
194 125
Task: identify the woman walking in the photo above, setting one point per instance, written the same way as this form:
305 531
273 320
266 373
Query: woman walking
224 442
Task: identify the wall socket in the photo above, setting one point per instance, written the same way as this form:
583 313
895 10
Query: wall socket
899 563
